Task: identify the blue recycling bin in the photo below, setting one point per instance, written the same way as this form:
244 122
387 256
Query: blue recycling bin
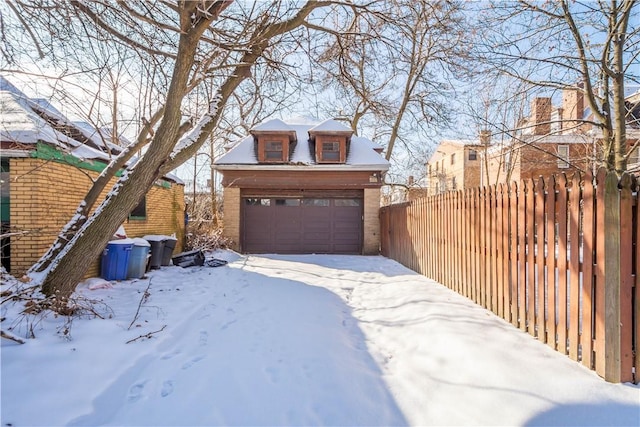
115 259
138 258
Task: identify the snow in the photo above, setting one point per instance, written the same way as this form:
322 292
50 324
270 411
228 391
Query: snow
293 340
331 125
21 125
361 152
271 125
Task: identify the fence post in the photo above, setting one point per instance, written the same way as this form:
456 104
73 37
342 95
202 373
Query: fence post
612 278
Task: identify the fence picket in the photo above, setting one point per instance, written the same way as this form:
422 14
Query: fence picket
626 278
574 266
540 260
562 263
550 259
530 281
588 242
599 308
500 246
513 253
522 258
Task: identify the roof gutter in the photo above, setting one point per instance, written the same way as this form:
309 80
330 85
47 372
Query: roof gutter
303 168
11 153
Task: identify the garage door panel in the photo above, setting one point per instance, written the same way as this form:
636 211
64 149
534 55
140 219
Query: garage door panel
282 225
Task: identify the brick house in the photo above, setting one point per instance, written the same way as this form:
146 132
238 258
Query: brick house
48 164
455 165
550 141
302 187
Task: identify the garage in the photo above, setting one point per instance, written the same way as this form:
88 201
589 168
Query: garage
290 225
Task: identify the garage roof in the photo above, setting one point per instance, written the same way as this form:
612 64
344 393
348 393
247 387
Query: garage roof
362 152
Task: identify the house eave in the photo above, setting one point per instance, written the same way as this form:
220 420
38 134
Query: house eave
328 168
13 153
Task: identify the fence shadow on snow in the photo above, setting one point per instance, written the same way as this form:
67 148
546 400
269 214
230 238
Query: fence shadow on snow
556 257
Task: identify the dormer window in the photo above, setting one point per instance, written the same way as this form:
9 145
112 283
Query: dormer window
331 140
273 148
273 151
330 151
274 141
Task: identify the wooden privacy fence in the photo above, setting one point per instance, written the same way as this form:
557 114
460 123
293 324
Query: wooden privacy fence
557 258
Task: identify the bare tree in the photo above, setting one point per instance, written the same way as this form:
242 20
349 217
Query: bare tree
557 45
391 70
192 49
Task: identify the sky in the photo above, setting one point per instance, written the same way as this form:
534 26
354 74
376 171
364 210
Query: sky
291 340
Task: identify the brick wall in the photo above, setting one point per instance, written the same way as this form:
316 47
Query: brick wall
44 194
231 220
371 224
540 160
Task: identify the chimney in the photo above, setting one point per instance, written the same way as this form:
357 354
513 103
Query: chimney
410 181
485 137
572 108
541 116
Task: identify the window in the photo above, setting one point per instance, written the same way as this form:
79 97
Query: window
453 158
315 202
140 211
563 156
273 151
473 155
348 202
506 164
330 148
330 151
287 202
258 202
454 185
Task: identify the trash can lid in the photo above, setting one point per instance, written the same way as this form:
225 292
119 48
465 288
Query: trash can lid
170 238
139 241
121 242
155 238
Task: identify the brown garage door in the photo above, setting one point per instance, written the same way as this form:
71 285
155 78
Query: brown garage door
302 225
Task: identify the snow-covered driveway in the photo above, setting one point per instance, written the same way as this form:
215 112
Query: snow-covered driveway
298 340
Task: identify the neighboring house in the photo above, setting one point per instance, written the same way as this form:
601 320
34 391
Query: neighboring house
48 164
456 165
303 187
550 141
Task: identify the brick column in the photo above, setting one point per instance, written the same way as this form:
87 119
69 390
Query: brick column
371 224
231 224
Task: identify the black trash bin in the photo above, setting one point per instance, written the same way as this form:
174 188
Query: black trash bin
189 259
169 245
157 249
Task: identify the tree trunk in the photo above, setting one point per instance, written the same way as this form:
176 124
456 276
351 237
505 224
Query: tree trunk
87 244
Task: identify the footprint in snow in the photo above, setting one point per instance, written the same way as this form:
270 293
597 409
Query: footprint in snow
204 338
135 392
170 355
273 374
227 324
167 388
190 363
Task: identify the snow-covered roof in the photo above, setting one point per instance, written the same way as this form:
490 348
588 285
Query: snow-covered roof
22 125
330 125
29 120
557 139
362 154
272 125
462 142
